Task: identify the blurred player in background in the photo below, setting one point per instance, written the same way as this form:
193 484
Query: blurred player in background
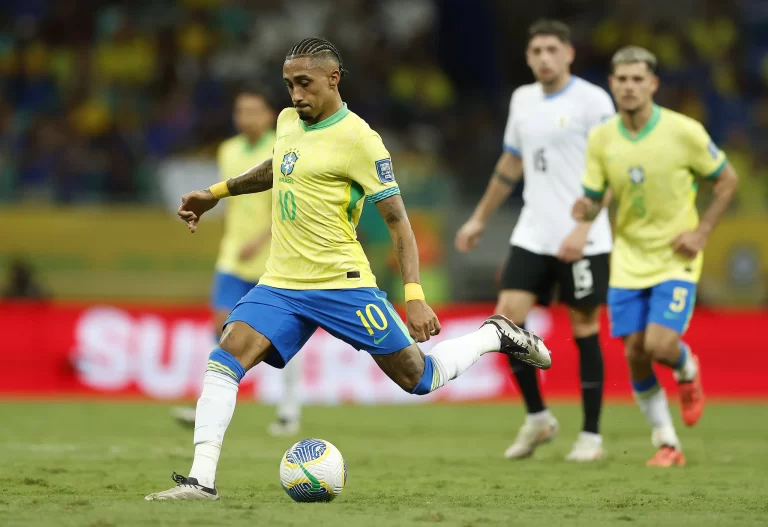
546 138
649 158
245 246
327 162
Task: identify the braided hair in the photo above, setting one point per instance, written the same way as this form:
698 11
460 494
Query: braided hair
313 46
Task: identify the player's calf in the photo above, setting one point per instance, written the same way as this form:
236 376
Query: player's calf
422 374
406 367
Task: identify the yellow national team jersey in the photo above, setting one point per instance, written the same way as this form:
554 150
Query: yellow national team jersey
653 175
321 175
249 215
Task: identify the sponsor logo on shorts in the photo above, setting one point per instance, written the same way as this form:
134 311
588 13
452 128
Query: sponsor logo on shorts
379 340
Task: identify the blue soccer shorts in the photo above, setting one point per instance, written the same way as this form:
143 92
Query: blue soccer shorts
669 304
227 291
361 317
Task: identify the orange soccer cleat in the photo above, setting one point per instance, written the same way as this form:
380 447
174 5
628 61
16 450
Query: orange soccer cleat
666 456
691 397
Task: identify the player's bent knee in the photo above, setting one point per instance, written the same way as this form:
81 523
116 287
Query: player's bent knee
245 344
404 367
662 346
636 352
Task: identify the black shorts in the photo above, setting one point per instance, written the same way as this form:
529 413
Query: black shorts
580 284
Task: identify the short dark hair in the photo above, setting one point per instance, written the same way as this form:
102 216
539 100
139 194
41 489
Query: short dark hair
314 46
258 89
632 55
555 28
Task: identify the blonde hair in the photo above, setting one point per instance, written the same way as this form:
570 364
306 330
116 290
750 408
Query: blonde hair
634 54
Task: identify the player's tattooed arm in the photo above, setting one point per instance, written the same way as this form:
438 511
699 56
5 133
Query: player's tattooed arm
421 320
393 211
257 179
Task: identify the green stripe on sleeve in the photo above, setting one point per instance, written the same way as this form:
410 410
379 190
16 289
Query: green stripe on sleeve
383 194
593 193
718 170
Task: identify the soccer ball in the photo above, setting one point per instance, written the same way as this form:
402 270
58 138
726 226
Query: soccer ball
313 470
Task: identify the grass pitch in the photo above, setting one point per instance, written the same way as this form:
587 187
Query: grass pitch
90 464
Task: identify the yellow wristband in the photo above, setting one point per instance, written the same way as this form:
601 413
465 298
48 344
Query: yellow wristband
413 291
220 190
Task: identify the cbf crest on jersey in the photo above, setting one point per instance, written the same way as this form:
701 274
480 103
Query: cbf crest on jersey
289 161
636 175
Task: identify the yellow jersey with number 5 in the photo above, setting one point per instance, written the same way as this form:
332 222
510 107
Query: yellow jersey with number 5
653 176
322 176
247 216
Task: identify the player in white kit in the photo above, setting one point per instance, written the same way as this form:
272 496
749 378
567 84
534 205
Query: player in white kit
546 139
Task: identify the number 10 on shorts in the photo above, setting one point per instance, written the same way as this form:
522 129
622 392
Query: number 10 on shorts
373 316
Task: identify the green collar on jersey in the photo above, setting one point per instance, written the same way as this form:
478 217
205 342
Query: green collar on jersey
340 114
650 125
266 137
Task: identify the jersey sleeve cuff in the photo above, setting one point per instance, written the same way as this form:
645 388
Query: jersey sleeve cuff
594 194
717 171
383 194
512 150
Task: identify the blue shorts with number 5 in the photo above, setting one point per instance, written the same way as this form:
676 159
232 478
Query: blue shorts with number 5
669 304
361 317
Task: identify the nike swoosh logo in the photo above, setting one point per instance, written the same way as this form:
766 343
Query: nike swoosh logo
578 295
385 335
312 479
286 135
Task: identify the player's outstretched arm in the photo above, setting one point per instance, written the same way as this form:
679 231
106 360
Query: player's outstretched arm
508 172
195 204
689 244
422 321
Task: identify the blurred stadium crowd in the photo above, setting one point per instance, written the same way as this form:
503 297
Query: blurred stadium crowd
96 92
97 95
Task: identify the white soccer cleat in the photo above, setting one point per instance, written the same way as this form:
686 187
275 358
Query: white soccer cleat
185 489
588 447
185 415
519 343
284 427
532 434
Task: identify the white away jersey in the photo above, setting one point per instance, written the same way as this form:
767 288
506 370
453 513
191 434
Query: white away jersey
549 132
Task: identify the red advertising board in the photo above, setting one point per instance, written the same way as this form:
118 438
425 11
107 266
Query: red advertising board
144 351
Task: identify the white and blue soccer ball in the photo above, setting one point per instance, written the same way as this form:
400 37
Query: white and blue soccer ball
313 470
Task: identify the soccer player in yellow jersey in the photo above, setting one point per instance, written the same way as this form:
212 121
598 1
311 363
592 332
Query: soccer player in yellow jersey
245 245
327 162
650 158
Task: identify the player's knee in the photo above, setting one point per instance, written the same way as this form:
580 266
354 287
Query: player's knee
512 310
662 349
635 352
245 344
584 322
